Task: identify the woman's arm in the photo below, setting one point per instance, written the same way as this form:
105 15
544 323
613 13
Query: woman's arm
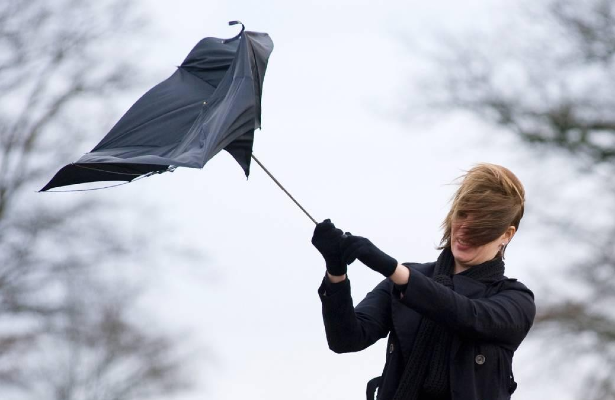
351 328
504 318
348 328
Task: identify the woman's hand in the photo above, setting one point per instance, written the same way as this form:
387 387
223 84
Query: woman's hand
327 240
357 247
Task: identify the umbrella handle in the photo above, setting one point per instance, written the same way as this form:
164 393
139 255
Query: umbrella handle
285 191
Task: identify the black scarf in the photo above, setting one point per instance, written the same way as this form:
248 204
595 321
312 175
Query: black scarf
427 368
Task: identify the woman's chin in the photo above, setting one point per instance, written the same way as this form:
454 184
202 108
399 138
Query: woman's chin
463 254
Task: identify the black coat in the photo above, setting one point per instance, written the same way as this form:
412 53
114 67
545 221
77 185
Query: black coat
488 323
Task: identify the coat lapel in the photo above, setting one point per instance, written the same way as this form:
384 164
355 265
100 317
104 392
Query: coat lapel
406 321
471 289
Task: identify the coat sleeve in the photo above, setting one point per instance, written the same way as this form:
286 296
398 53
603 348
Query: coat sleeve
349 328
504 318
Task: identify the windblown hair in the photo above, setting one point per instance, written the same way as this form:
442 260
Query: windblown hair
492 198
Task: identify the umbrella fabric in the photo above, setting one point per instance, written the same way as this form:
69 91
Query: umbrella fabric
211 102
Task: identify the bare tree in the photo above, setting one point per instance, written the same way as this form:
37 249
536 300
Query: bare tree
550 80
66 332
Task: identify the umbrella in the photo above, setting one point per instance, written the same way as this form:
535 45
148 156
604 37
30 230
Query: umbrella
210 103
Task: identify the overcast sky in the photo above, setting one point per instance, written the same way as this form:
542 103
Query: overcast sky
334 135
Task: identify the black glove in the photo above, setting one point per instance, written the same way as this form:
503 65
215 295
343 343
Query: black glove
354 247
327 239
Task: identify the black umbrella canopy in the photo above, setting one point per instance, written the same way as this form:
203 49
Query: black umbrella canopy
211 102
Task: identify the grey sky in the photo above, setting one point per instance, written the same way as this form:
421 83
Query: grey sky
333 136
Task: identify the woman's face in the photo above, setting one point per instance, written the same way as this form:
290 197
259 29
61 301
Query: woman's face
467 255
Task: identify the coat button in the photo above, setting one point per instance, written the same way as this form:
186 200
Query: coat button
480 359
391 348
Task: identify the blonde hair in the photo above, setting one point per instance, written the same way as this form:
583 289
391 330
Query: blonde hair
493 197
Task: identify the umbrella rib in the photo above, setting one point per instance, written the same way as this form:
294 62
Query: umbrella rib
282 187
100 188
103 170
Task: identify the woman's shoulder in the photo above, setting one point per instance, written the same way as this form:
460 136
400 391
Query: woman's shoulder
510 284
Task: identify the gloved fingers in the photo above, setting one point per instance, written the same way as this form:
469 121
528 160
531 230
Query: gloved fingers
335 234
353 251
326 232
348 241
324 226
361 251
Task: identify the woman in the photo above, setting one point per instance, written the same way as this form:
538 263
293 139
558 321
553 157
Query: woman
453 324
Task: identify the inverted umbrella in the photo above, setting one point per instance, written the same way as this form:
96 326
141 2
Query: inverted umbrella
212 102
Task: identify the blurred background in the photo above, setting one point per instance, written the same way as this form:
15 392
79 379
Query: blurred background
202 285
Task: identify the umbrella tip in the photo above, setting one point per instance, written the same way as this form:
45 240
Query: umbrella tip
243 28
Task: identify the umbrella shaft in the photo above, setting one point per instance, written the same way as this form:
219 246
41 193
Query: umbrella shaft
282 187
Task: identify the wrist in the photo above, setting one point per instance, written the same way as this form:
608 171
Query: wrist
401 275
336 278
336 267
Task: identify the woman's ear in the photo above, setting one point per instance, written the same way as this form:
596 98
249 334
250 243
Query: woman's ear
508 235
